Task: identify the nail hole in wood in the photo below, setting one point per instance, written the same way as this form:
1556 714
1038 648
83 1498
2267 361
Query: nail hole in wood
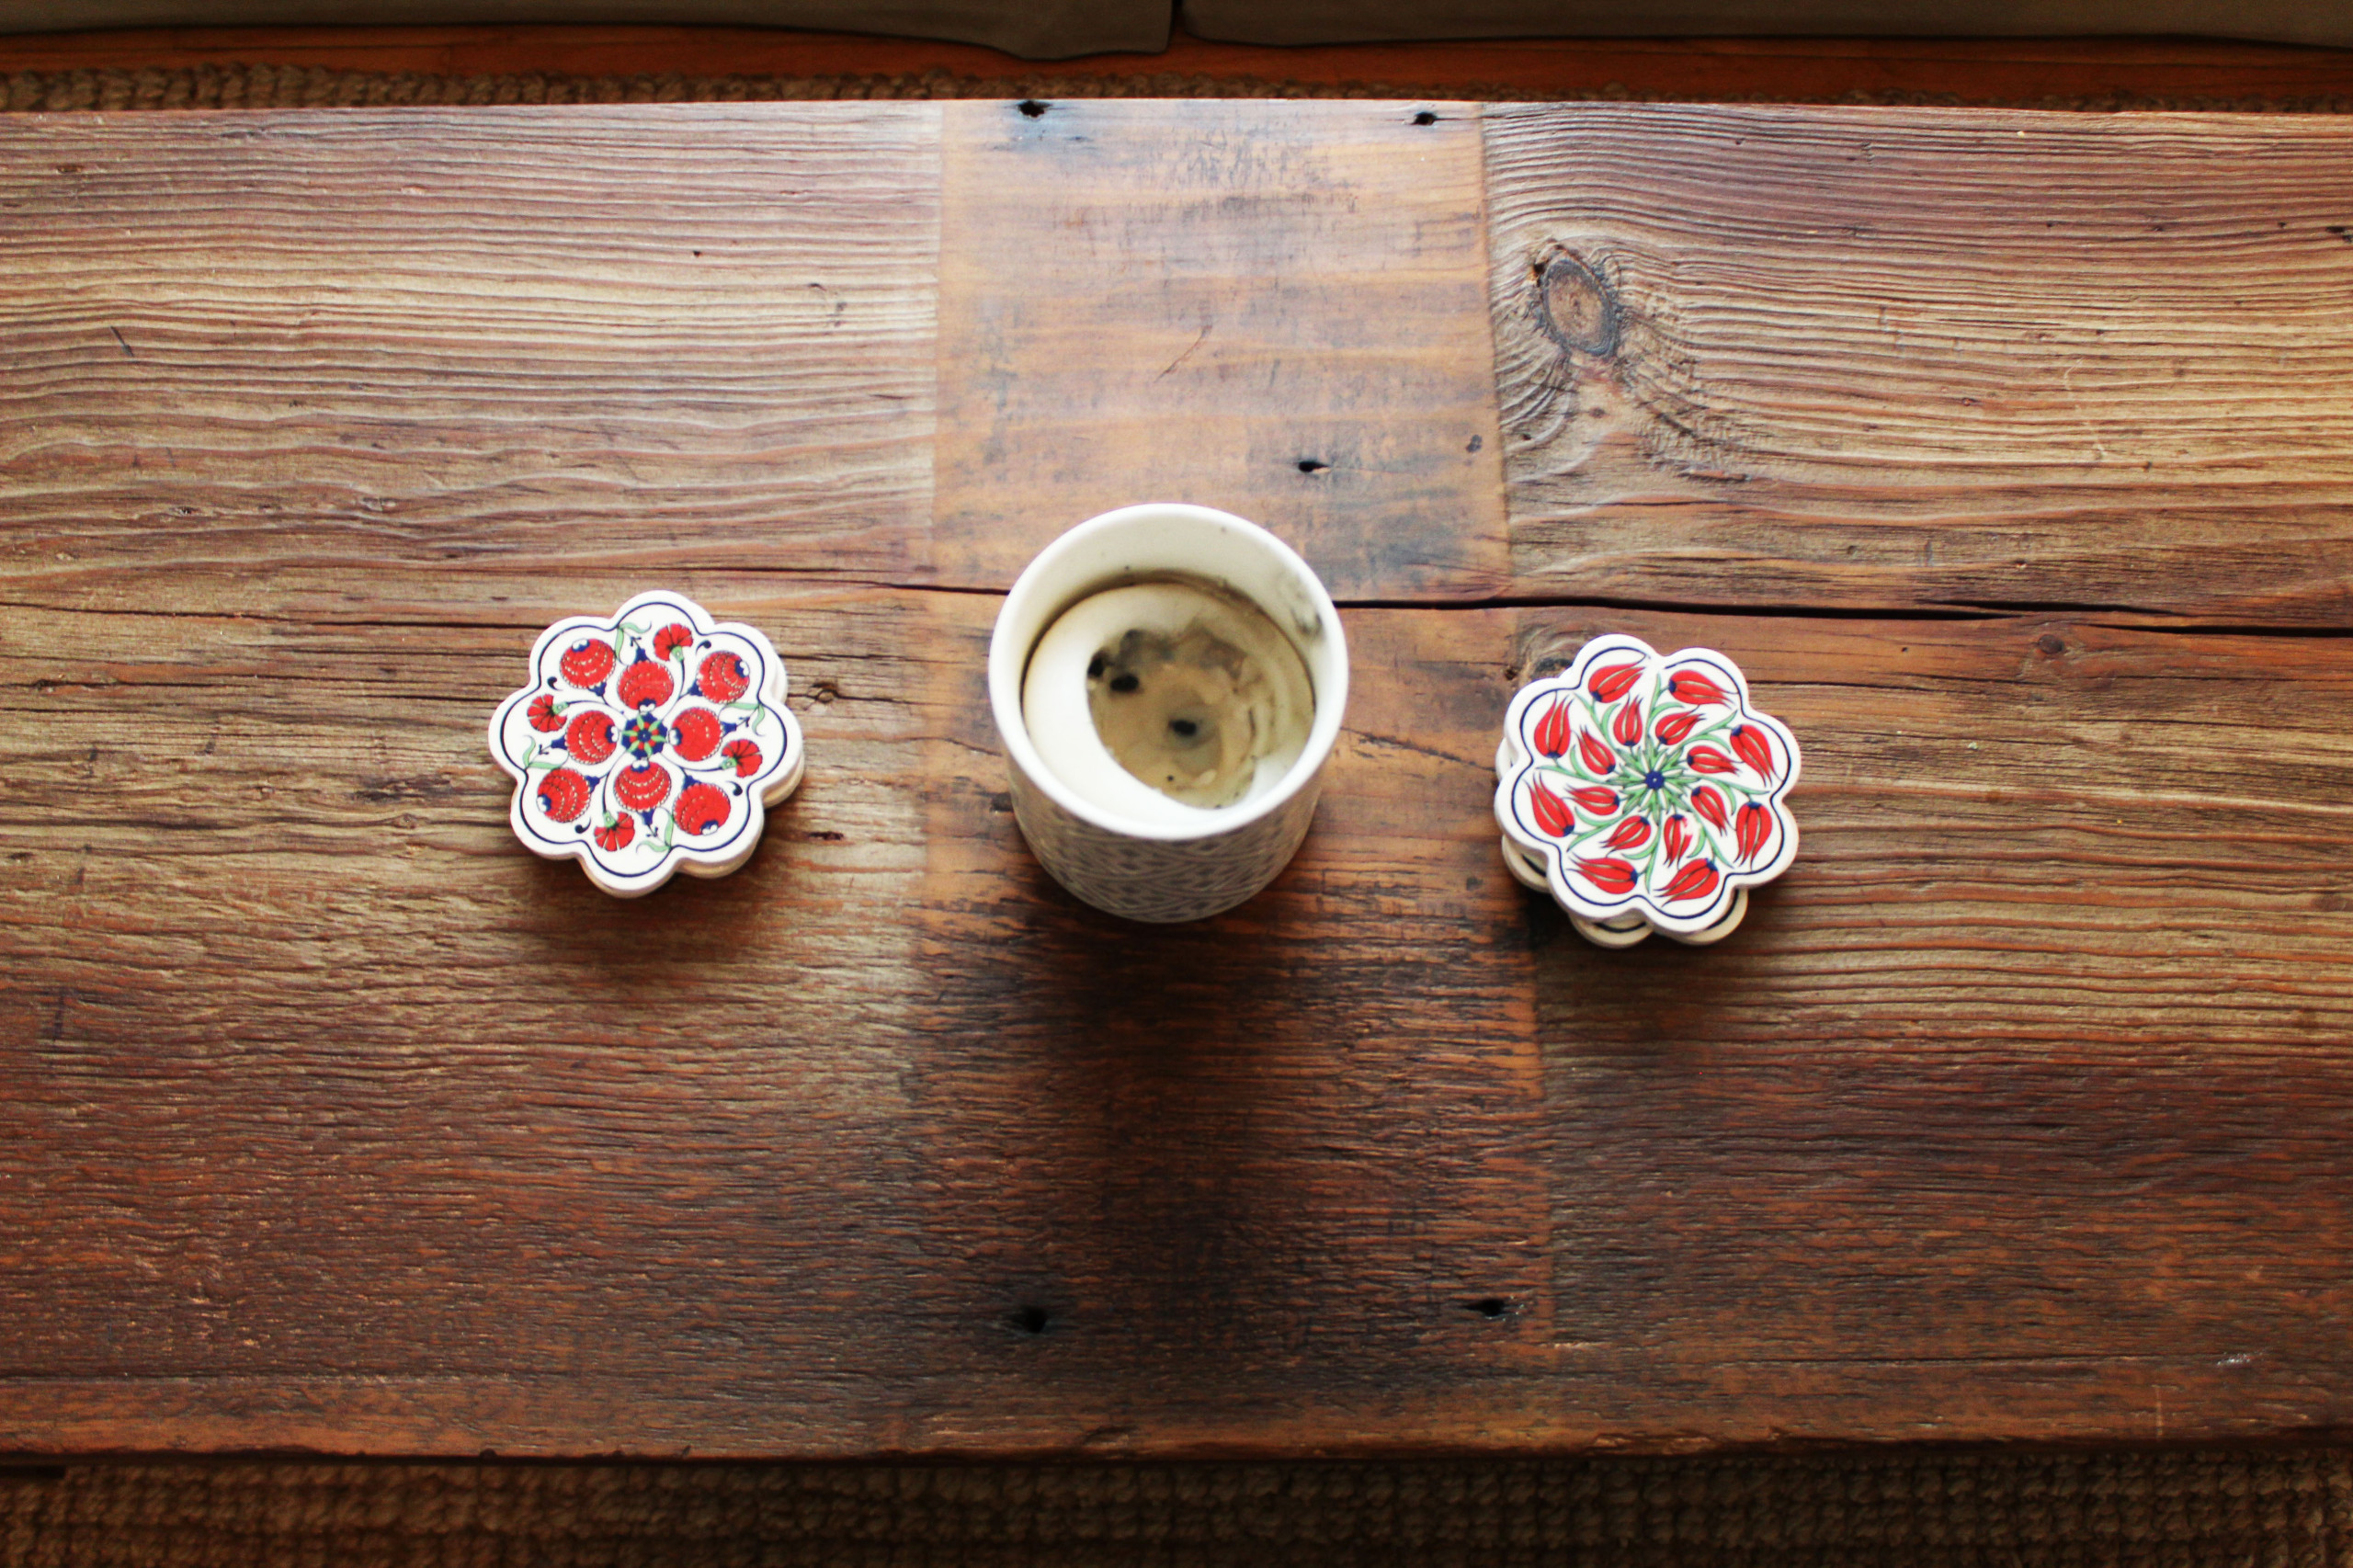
1489 1306
1309 465
1426 117
1031 108
1032 1320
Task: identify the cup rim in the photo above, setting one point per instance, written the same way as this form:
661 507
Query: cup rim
1009 666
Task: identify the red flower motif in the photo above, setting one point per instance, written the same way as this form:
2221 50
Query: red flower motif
1697 879
1691 686
629 776
1616 877
721 676
695 732
645 682
1551 812
1596 801
588 661
563 794
590 737
1660 793
1610 685
643 788
701 807
1753 749
1632 833
1551 734
1598 759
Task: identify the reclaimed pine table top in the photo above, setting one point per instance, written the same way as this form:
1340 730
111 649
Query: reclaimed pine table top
2011 455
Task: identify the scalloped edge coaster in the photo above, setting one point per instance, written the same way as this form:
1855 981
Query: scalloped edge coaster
1706 773
656 696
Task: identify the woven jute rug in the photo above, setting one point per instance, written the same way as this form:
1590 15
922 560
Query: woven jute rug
289 86
1932 1509
2008 1510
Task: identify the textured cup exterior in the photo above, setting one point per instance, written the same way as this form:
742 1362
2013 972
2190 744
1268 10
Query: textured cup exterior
1161 880
1137 871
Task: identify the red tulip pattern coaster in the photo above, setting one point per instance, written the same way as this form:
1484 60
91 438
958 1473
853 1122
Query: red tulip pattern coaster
1645 792
649 744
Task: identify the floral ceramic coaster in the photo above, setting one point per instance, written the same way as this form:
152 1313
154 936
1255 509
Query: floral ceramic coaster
1644 793
648 743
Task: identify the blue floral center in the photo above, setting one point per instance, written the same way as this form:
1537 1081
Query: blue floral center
643 734
1655 780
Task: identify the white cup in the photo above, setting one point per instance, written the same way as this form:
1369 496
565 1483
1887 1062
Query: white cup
1158 869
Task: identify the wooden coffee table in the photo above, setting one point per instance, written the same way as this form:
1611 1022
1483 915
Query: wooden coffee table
2011 455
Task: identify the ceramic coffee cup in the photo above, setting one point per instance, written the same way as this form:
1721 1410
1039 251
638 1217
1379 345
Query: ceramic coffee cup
1100 825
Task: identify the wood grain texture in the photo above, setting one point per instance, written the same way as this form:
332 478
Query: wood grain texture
2024 1092
330 1120
1821 359
333 343
1248 305
333 1122
2014 1112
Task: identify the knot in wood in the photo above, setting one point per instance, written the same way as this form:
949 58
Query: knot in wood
1578 310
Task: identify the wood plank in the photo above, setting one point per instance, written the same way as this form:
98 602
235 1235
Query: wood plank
2019 1108
2015 1109
326 343
1271 308
336 1121
1923 359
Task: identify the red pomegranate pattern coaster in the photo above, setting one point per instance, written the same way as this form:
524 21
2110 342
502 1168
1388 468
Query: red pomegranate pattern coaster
649 744
1645 792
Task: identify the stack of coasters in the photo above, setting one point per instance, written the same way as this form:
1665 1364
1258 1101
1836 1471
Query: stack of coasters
649 743
1644 793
